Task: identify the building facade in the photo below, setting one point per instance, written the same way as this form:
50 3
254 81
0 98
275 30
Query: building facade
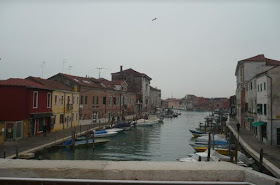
26 110
155 99
245 70
138 83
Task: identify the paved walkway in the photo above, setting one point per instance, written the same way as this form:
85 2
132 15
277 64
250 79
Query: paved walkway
271 153
39 140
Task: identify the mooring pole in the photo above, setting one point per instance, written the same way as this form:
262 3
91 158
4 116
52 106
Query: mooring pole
261 161
87 136
209 146
4 154
17 152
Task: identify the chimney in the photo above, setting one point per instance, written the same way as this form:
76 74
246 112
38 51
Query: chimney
121 69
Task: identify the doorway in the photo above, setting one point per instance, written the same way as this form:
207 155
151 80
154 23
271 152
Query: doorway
278 136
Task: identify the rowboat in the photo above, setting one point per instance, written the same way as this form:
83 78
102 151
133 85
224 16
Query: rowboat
97 142
143 123
222 151
98 134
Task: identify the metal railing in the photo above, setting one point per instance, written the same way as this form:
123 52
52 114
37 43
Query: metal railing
50 181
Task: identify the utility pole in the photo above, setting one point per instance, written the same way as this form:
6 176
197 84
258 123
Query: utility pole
63 62
42 66
69 68
99 68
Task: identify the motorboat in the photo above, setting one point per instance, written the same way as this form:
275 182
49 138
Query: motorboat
115 130
82 142
214 156
144 122
104 133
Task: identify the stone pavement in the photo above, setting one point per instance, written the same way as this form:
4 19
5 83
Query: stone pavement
271 153
36 141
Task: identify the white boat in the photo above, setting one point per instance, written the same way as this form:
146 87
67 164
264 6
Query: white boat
205 138
153 118
115 130
214 156
144 122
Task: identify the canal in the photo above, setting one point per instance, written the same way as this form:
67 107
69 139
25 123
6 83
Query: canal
166 141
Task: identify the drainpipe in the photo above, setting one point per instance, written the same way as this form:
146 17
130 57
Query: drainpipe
270 108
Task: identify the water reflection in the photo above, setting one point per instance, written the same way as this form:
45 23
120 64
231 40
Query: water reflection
161 142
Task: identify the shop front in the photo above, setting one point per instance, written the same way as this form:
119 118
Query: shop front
13 130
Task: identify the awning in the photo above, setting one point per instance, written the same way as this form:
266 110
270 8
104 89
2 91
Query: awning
250 119
255 124
41 115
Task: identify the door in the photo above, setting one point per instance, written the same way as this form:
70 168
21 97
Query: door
9 131
278 136
67 121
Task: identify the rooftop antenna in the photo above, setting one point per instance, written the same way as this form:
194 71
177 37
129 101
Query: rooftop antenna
99 68
69 68
63 62
42 66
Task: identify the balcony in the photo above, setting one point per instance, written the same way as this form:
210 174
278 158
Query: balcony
69 106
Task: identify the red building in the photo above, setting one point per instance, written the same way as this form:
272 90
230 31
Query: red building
25 108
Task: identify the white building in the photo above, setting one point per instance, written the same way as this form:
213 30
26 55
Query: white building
245 70
262 110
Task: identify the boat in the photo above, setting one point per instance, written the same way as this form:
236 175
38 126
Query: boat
115 130
97 142
143 123
214 156
104 133
206 137
223 151
196 132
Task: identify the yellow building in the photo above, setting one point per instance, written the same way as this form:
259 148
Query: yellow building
65 104
65 109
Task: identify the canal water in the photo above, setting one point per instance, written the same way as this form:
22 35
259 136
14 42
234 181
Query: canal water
166 141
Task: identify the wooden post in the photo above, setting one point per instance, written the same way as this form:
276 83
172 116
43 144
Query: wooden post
17 152
4 154
261 161
93 140
236 149
209 146
73 138
205 127
199 158
87 136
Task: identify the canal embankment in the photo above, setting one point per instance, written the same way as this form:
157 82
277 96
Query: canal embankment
252 145
39 142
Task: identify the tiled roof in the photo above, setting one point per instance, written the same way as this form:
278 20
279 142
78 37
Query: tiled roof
133 72
110 84
258 58
51 84
84 81
22 82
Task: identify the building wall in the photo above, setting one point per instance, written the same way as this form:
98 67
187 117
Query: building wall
60 107
251 101
13 103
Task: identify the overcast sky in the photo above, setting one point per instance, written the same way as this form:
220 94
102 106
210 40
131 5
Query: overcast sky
191 48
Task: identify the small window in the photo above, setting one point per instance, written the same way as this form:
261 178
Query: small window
114 100
61 119
104 100
97 100
264 109
261 86
110 100
264 86
55 99
82 98
49 100
62 100
93 100
35 99
86 100
251 85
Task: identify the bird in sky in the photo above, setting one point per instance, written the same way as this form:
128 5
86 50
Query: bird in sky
154 19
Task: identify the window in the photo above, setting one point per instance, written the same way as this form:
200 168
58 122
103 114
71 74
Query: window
61 119
93 100
259 109
110 100
86 100
97 100
261 86
35 99
264 109
62 100
82 98
264 86
49 100
114 100
55 99
104 100
54 119
68 99
251 85
77 100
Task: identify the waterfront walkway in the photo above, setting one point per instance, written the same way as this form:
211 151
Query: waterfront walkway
39 140
253 146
